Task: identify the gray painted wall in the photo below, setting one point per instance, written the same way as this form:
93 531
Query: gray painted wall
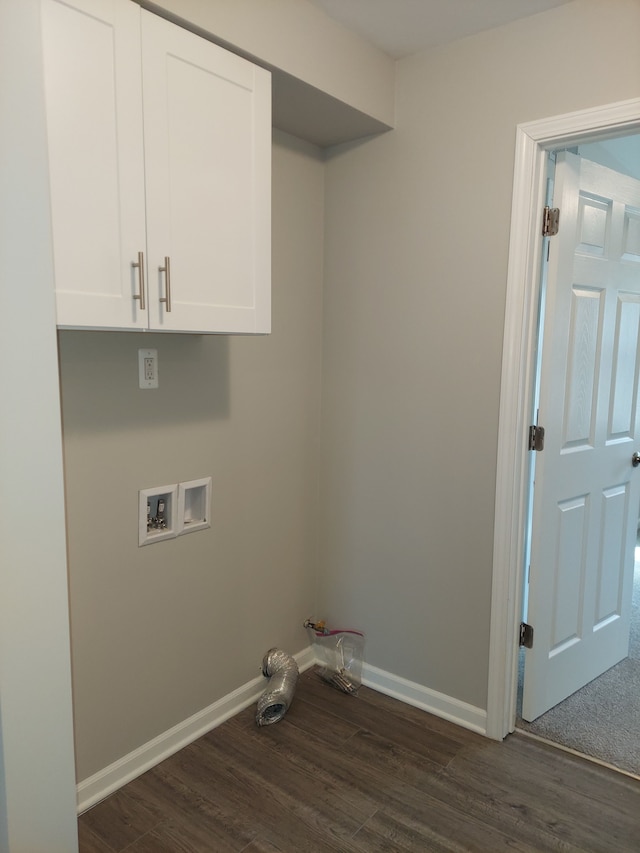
160 632
417 231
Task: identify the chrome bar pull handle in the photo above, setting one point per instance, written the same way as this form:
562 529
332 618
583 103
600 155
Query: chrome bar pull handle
140 267
635 459
166 269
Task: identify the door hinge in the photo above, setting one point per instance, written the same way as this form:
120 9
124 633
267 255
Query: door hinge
526 635
550 220
536 437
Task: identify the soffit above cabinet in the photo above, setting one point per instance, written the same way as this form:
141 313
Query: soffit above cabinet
310 114
329 85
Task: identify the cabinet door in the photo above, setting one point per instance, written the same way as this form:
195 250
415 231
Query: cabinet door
94 120
207 124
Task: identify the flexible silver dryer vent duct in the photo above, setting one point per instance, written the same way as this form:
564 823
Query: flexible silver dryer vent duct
274 703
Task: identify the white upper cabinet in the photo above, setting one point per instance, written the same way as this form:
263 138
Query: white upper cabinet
207 127
159 152
93 90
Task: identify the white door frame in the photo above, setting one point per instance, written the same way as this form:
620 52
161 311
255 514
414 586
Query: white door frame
533 140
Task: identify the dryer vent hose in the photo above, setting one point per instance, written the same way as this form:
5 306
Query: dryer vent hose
282 671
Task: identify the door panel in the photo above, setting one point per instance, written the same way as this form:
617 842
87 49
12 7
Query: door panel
586 494
569 572
611 562
624 402
631 239
581 383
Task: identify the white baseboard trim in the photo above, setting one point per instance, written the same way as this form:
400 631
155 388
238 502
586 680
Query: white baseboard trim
95 788
467 716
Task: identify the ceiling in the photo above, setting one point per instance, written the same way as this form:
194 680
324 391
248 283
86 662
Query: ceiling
402 27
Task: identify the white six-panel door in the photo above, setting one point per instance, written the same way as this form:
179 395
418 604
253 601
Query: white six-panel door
587 492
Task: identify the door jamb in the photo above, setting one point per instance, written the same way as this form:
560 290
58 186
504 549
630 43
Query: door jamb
518 365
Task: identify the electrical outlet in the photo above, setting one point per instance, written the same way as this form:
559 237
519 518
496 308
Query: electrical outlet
148 368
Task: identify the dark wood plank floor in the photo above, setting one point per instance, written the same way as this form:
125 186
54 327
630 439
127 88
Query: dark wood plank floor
364 773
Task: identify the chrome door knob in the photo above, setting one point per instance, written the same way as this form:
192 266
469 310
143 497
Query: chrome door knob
635 459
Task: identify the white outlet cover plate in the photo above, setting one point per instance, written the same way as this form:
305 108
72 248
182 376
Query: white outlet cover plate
147 378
